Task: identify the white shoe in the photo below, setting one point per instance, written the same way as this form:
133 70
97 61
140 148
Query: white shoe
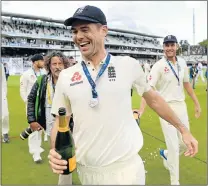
175 183
162 155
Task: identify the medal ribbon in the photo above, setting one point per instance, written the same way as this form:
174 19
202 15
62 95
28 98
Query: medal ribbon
177 76
100 73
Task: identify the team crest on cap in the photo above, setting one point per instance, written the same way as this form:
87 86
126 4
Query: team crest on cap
80 10
169 37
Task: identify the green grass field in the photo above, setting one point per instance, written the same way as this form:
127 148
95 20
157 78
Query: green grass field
18 166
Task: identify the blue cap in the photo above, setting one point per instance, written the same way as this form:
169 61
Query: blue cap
170 39
87 13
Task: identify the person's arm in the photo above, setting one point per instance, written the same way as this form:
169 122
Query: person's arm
191 93
152 80
23 87
4 82
142 107
158 104
31 99
31 110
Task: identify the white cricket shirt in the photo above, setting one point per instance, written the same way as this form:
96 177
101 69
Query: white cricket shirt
200 67
147 68
162 78
50 119
27 81
108 132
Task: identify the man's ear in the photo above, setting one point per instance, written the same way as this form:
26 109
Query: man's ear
177 46
105 30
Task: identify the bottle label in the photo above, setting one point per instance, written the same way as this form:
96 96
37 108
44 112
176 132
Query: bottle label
136 116
72 164
65 129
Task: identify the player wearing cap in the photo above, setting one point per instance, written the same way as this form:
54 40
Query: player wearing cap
193 73
27 80
72 61
97 91
169 76
200 72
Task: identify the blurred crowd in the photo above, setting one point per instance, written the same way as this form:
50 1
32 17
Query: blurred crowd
46 29
197 50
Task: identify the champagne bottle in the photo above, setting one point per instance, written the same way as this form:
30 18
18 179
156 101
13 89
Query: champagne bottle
136 117
64 143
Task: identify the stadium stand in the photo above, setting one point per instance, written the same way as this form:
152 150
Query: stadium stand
25 35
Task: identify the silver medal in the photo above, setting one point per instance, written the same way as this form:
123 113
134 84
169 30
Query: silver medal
93 102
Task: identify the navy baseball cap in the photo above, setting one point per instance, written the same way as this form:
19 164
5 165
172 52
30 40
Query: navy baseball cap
170 39
87 13
37 57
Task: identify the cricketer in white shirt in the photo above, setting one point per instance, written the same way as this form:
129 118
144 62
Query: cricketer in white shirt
164 81
200 72
107 137
27 80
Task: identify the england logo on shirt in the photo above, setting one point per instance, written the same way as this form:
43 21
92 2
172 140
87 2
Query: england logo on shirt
111 73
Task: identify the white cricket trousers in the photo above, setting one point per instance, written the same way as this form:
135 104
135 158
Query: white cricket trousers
65 179
34 141
128 172
201 74
5 116
5 125
173 140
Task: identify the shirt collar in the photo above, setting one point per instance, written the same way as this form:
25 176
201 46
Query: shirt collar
165 58
101 62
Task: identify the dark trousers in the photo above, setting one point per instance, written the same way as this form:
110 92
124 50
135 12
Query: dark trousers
193 82
7 75
131 92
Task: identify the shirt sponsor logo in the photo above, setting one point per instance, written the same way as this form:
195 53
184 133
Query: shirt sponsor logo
166 70
76 79
32 77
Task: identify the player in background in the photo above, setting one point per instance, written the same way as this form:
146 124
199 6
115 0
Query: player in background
169 76
27 80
